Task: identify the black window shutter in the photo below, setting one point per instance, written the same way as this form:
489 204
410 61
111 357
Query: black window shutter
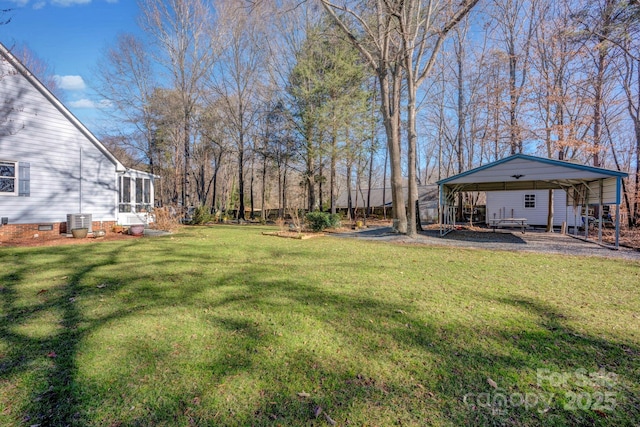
24 179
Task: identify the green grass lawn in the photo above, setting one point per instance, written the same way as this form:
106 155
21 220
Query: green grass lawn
223 326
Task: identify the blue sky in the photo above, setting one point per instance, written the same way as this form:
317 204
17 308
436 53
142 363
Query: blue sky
70 35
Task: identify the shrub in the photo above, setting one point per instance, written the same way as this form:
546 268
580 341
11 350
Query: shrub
165 220
335 220
201 215
318 221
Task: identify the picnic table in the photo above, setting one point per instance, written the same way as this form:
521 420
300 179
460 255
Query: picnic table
508 222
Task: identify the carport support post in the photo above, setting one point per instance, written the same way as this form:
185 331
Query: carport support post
618 226
600 209
586 212
618 185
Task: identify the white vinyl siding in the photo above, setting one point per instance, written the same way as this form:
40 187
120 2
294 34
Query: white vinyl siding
68 173
510 204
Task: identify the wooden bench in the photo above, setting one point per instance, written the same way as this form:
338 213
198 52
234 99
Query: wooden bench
508 222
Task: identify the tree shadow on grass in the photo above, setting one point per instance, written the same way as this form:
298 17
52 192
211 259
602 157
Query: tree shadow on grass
281 348
574 370
483 237
50 357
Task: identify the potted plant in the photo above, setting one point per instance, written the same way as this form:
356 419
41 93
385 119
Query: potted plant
79 233
136 229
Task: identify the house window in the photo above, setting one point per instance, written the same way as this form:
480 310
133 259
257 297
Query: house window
8 178
138 190
143 194
124 194
147 191
530 201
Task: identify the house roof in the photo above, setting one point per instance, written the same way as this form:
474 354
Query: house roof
520 171
24 71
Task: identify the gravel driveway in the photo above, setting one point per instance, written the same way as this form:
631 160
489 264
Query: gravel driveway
531 241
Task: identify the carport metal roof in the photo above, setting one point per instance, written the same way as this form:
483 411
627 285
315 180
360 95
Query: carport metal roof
585 185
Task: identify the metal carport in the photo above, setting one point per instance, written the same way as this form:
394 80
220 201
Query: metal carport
585 185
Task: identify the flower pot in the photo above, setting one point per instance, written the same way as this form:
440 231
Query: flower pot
136 230
79 233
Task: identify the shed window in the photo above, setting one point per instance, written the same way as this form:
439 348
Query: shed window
529 200
8 185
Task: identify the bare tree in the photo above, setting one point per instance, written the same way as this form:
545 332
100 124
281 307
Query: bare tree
4 16
515 22
38 66
238 79
186 48
405 37
125 78
629 71
553 53
372 30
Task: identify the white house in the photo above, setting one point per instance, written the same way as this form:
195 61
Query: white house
54 173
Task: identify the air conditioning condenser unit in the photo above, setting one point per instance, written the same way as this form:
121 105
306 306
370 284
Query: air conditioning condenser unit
80 220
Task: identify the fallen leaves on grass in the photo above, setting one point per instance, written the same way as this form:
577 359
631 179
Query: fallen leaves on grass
492 383
317 411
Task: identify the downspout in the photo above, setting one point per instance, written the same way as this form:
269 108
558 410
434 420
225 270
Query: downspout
80 189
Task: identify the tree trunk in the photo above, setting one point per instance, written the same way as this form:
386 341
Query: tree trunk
513 121
186 198
349 199
384 184
311 194
461 122
412 201
390 105
597 106
320 179
240 215
332 172
370 180
251 200
263 194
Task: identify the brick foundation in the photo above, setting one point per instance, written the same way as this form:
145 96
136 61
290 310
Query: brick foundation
11 232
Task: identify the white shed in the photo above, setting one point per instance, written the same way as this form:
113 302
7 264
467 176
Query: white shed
533 205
